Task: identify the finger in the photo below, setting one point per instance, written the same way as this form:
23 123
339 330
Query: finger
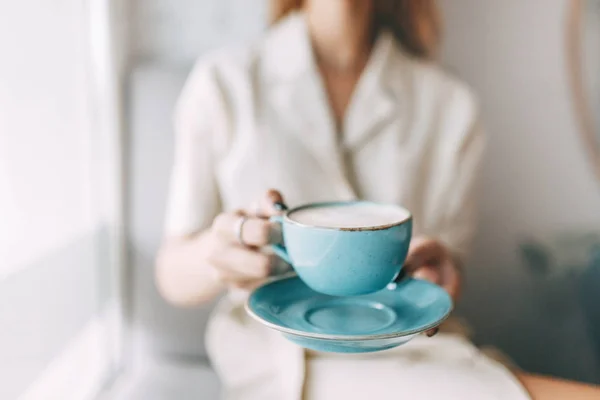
254 210
248 285
423 251
254 231
432 332
241 263
238 281
233 278
268 203
444 274
429 273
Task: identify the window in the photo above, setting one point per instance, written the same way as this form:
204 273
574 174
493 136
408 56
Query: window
59 200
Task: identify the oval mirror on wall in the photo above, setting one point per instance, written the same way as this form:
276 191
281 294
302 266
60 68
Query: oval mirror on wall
583 49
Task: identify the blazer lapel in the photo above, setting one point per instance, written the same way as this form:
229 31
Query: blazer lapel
298 96
377 98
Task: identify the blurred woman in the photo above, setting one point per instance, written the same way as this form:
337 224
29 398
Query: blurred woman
338 101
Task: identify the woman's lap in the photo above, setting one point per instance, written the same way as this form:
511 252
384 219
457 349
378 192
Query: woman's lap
424 373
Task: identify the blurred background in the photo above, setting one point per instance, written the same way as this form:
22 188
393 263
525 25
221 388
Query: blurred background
87 90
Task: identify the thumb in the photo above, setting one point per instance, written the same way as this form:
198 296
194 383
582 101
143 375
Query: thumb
423 251
429 273
272 203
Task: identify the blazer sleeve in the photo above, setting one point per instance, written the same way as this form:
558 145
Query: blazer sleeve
193 198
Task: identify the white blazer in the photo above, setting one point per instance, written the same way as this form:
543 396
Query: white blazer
258 118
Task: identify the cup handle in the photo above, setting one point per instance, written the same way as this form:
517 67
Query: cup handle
279 249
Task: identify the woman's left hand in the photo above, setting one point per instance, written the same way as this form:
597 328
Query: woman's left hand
430 260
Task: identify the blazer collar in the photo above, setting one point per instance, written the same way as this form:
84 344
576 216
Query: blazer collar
287 54
291 78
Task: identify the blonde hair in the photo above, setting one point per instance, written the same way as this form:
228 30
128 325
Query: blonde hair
415 23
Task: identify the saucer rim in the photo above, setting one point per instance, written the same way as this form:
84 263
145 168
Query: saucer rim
325 336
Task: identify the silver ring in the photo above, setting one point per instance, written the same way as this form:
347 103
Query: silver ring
239 226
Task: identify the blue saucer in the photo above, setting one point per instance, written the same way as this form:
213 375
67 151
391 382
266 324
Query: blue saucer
359 324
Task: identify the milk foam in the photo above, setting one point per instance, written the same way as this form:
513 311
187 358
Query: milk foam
350 215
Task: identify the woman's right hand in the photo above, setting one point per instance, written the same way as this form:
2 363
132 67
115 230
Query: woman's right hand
238 263
194 270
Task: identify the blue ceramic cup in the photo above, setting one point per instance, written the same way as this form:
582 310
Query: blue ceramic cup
345 261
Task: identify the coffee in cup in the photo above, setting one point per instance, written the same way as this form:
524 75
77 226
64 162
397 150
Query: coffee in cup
359 215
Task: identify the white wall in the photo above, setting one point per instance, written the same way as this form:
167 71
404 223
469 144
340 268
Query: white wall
537 178
178 32
536 182
52 287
